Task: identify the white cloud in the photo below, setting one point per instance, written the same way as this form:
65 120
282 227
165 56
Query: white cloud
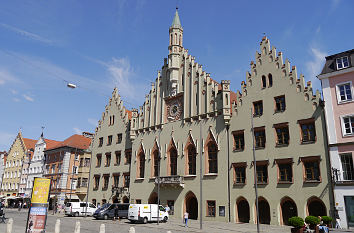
315 65
92 121
6 76
5 140
14 92
27 34
16 99
27 97
77 130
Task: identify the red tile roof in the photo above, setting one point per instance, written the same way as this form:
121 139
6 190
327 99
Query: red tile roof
50 143
29 143
75 141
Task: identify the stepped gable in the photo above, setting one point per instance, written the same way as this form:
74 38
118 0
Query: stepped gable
283 71
75 141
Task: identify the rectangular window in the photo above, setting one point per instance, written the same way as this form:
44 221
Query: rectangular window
262 174
119 138
258 108
312 171
285 172
344 92
105 182
348 125
347 166
211 208
118 157
138 201
99 160
239 173
342 63
84 182
239 140
280 103
282 131
109 142
81 162
75 170
87 162
100 142
108 160
97 182
259 137
126 180
308 131
115 180
128 157
78 182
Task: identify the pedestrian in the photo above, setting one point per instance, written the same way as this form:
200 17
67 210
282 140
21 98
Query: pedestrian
185 216
167 208
336 215
116 211
24 205
19 206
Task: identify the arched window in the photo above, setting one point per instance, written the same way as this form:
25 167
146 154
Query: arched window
176 42
180 40
173 161
171 40
192 164
264 81
156 164
270 80
141 167
212 158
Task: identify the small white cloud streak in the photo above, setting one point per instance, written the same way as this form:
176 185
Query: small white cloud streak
77 130
92 121
27 34
14 92
6 76
315 65
16 99
27 97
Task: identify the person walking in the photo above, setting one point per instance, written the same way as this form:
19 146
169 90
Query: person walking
185 216
336 215
19 206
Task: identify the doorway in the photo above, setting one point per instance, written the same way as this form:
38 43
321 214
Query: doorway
191 203
288 210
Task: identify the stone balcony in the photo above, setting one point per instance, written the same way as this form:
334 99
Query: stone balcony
171 181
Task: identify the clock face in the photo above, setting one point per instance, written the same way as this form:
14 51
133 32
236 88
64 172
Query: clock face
174 110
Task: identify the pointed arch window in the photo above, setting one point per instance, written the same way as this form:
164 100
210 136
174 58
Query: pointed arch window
141 165
192 163
173 161
156 164
264 81
212 158
270 80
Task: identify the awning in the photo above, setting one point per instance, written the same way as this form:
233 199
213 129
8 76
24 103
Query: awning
10 198
73 197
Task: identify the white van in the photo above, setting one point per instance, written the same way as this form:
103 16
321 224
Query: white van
147 213
78 209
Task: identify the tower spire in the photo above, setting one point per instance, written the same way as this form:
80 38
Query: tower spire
176 21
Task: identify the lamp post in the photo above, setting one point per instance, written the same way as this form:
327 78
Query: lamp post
255 171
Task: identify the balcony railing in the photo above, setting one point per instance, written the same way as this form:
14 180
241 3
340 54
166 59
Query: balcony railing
170 180
338 178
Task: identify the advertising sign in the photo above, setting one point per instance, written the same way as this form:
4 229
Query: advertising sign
37 214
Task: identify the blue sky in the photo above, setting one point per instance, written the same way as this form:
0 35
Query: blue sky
102 44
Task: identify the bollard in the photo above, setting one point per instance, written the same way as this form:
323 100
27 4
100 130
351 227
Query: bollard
9 226
132 230
57 226
77 227
102 228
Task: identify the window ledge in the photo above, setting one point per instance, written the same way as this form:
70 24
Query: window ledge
281 145
190 176
285 182
210 216
238 150
139 178
239 184
307 142
211 174
345 101
279 111
312 181
348 135
261 183
258 115
259 148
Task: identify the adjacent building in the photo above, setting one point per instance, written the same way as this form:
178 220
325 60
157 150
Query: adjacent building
111 155
337 79
61 166
20 148
3 157
36 164
195 137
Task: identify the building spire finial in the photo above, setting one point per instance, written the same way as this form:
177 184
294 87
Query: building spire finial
176 21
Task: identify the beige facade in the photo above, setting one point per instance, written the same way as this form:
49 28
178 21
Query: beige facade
190 124
83 175
111 153
20 148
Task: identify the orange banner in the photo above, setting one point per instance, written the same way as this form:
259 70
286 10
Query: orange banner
40 190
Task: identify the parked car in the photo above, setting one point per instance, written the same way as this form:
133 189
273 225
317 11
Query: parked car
147 213
109 210
79 209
